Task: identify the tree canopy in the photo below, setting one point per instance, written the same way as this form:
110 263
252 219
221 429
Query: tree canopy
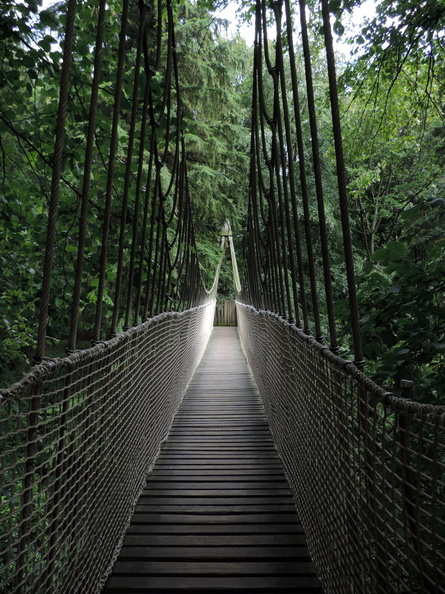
392 90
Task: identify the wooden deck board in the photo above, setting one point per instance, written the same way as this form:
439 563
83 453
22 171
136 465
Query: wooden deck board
216 514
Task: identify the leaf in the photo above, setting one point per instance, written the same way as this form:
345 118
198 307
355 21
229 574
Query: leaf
380 255
411 213
338 28
396 249
365 318
403 352
394 289
46 42
12 75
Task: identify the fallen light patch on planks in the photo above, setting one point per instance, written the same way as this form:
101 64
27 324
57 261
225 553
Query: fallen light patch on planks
217 514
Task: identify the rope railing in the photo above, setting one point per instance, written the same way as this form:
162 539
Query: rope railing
80 433
366 467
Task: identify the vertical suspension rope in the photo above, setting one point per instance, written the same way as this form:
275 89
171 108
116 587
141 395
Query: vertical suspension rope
316 169
122 236
287 169
148 309
303 178
277 280
55 182
138 190
158 240
111 169
144 232
341 177
317 172
87 176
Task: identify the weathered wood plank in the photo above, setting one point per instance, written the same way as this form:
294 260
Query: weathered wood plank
151 540
203 518
233 500
214 508
216 514
195 553
215 568
210 585
219 485
221 472
194 528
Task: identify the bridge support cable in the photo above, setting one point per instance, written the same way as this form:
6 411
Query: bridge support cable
341 177
280 196
149 223
79 433
55 181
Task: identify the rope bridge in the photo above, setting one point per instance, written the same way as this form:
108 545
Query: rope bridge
80 433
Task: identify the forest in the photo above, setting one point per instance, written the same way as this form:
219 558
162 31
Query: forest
392 83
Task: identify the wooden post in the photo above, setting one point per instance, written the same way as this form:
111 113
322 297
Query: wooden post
225 313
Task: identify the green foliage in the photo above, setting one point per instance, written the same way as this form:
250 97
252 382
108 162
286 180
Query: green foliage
401 299
404 321
215 80
30 72
213 69
394 139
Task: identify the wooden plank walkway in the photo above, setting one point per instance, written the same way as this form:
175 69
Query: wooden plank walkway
217 514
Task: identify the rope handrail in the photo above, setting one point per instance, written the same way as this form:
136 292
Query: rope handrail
79 435
366 466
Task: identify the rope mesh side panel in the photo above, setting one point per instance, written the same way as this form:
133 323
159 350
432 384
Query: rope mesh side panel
366 467
100 418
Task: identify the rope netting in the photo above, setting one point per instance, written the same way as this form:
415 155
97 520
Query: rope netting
79 433
366 467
